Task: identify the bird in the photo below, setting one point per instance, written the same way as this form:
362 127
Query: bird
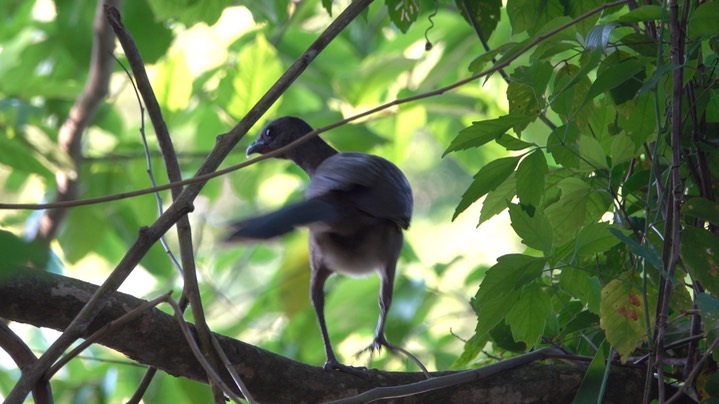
356 207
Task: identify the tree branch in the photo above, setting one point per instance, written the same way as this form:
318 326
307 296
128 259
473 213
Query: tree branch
154 338
69 137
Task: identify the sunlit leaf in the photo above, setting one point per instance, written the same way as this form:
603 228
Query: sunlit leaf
622 317
488 178
497 199
482 132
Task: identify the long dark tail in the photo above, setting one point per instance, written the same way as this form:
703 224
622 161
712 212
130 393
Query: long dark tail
284 220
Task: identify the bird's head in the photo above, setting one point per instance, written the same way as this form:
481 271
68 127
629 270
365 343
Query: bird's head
279 133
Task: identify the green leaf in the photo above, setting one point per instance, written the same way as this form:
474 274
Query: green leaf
478 63
709 309
188 12
591 151
490 311
258 67
152 36
598 36
622 149
530 15
700 252
702 208
482 132
703 20
651 83
593 382
502 339
497 199
529 315
594 238
638 118
510 142
535 231
613 77
650 255
483 14
173 82
587 289
17 155
488 178
571 88
511 272
562 145
402 13
569 212
642 13
530 178
522 101
472 348
622 315
327 5
16 252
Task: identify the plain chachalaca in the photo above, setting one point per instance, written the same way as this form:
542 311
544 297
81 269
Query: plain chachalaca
356 207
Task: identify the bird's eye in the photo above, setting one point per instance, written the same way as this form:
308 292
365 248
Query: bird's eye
268 133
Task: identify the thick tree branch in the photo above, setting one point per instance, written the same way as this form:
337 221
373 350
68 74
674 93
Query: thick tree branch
155 338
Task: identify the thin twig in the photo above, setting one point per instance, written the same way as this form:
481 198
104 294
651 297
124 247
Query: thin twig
209 369
441 382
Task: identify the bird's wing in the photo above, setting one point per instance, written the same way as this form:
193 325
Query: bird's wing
369 183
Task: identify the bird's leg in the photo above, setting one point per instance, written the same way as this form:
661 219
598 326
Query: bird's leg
385 300
319 275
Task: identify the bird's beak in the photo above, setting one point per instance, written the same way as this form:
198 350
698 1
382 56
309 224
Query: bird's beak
258 146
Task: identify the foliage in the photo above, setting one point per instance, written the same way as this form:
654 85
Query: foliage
576 157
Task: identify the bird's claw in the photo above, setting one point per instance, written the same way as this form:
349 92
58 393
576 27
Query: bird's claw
356 371
376 345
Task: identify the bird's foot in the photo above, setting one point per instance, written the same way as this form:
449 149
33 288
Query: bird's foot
380 341
376 345
336 365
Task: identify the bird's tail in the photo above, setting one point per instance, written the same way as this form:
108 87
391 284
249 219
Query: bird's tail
284 220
